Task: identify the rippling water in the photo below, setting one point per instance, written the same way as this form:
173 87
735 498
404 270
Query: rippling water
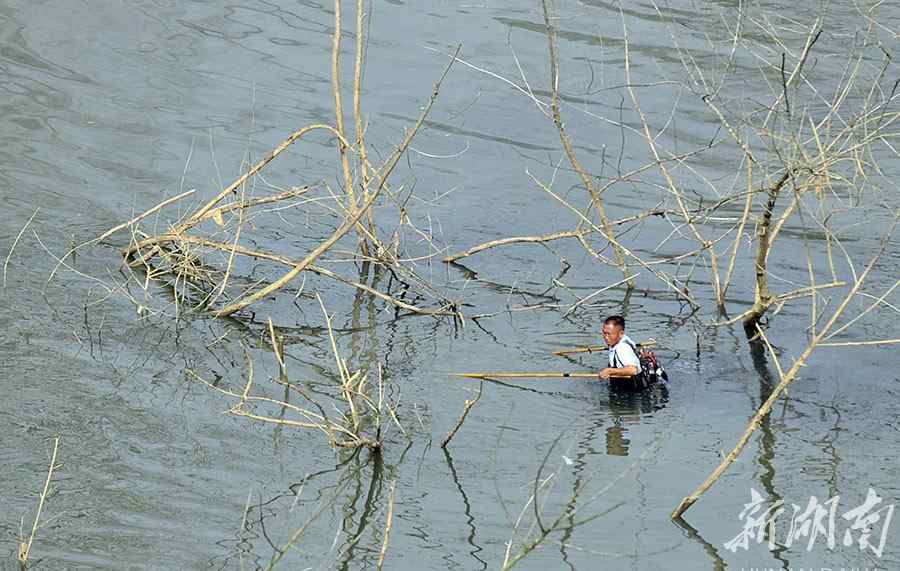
108 110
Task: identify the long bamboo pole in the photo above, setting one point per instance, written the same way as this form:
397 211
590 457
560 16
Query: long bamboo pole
599 348
527 375
591 349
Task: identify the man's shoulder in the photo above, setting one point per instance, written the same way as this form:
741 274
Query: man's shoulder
626 353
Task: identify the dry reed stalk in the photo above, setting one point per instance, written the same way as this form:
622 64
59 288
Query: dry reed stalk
277 350
199 215
579 234
16 242
140 217
346 379
444 311
339 120
25 545
466 408
740 230
878 301
859 343
811 37
130 224
217 213
363 411
301 531
785 297
223 283
331 429
357 111
565 521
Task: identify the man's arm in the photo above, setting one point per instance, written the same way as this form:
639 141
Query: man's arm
629 360
618 372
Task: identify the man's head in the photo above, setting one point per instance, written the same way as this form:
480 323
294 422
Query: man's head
613 329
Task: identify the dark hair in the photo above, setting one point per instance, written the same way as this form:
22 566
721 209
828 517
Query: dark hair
617 320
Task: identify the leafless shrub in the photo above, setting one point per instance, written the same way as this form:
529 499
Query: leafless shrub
366 413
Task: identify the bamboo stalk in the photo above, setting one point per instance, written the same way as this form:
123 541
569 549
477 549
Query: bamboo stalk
588 349
599 348
859 343
526 375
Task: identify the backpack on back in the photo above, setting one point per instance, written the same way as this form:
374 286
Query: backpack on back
650 367
651 371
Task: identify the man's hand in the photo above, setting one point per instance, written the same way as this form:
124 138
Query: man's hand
620 372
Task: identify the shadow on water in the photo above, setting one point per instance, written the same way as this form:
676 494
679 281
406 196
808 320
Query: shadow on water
375 489
358 495
467 507
253 527
709 548
767 443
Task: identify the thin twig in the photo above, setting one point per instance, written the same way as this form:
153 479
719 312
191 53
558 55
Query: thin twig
468 406
570 150
786 380
15 242
351 220
25 547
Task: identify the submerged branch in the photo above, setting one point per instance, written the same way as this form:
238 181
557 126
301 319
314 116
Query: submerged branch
786 379
468 406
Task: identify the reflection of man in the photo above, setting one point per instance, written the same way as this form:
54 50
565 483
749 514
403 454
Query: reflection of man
629 409
623 361
617 443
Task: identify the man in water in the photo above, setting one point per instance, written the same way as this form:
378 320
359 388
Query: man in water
623 361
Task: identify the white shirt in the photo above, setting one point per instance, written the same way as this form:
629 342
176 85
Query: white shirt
622 355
